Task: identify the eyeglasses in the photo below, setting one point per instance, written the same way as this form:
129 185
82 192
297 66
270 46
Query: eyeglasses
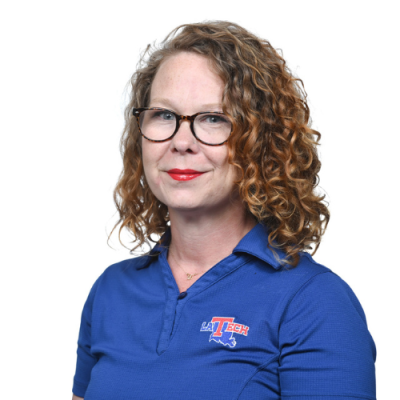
159 125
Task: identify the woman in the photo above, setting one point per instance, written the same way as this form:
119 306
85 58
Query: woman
220 160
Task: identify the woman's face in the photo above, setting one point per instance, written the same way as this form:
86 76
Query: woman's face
186 85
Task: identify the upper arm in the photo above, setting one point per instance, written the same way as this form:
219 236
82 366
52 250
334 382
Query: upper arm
85 358
325 345
76 397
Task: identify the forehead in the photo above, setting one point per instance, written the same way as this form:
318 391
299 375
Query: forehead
187 79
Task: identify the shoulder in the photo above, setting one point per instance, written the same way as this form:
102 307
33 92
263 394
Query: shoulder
313 290
119 274
128 266
324 310
315 283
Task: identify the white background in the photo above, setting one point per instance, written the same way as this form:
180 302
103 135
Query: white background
64 68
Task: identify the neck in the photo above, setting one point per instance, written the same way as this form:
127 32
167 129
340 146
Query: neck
198 241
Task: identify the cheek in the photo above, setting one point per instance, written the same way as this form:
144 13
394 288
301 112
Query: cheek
229 171
218 156
152 154
231 177
148 161
149 154
220 161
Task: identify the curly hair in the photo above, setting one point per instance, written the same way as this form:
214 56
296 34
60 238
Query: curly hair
272 144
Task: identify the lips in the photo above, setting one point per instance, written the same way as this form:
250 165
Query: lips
184 174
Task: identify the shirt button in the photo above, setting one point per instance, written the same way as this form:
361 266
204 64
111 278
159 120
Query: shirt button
182 295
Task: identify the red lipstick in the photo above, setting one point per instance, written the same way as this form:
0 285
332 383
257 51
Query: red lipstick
183 174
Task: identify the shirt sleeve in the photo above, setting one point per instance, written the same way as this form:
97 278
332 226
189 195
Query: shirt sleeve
326 351
85 359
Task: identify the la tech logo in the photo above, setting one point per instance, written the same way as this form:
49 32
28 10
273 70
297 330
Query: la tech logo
223 328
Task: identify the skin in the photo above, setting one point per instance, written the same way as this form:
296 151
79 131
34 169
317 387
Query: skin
208 218
185 84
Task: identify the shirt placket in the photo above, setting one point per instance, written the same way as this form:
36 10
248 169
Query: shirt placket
171 305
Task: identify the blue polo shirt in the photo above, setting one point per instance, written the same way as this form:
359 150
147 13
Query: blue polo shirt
247 329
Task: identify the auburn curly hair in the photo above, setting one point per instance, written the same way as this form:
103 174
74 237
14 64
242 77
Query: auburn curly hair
272 144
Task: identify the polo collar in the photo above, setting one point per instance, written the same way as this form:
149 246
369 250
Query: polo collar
145 260
255 243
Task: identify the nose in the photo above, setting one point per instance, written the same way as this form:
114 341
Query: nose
184 140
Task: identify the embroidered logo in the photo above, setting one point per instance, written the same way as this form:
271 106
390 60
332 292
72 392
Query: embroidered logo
222 329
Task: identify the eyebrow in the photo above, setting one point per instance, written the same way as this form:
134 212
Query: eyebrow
168 103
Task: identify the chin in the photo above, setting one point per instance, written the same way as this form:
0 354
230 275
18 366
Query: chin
181 199
184 206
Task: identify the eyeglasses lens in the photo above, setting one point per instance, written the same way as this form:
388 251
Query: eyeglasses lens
212 128
157 124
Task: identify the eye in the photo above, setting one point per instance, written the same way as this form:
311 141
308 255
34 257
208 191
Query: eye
163 114
214 119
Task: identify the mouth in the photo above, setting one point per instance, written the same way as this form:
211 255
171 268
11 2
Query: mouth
184 174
